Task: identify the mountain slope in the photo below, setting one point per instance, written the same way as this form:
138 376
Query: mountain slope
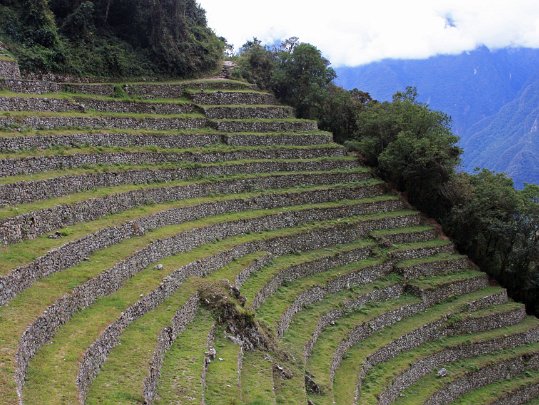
489 95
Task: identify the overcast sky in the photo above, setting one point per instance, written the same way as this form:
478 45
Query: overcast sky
355 32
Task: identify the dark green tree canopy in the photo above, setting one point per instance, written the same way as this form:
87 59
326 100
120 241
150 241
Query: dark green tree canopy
120 37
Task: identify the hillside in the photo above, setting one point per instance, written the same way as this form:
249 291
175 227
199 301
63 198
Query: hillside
110 38
193 242
477 89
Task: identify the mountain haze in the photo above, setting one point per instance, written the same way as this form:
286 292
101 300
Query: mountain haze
489 94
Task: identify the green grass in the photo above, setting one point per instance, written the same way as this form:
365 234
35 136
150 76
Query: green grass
101 306
93 169
180 381
257 379
346 375
489 393
94 114
257 281
381 375
26 251
430 259
275 306
437 281
81 96
429 384
400 231
215 148
319 364
222 377
33 301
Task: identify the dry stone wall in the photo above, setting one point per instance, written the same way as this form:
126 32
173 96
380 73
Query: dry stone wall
506 369
33 224
22 277
463 351
9 69
232 97
109 281
25 192
101 122
39 164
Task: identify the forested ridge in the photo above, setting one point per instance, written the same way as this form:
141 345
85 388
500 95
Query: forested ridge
104 38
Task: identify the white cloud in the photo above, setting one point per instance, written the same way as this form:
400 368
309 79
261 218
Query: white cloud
354 32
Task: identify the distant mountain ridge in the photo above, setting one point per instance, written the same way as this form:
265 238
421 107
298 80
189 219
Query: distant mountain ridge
492 96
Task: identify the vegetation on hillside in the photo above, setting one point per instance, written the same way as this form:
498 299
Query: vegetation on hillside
110 37
413 148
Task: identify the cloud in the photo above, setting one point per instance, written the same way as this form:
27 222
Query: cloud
355 32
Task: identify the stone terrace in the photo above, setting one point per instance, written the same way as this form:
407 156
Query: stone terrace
118 201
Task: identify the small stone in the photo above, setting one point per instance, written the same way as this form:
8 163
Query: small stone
159 267
221 359
442 372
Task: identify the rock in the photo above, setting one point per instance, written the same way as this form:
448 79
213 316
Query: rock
442 372
159 267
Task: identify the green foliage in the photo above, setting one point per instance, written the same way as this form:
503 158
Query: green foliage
111 37
300 76
498 227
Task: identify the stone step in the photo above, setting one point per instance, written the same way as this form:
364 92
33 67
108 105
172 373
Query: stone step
299 138
404 335
434 265
386 382
402 236
292 125
48 162
53 121
487 373
248 112
20 192
56 103
231 97
434 290
281 241
14 142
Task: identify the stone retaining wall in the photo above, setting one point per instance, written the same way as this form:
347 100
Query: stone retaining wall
25 192
252 268
9 69
251 112
30 86
520 396
263 126
495 320
114 139
22 277
277 139
426 333
232 97
409 237
97 354
39 164
427 365
420 253
44 327
317 294
102 122
439 267
83 104
502 370
19 143
183 317
310 268
442 292
366 329
35 223
171 90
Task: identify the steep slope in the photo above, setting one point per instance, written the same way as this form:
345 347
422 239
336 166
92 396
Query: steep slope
489 95
516 152
123 219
